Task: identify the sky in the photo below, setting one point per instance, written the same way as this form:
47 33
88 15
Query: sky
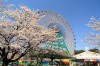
76 12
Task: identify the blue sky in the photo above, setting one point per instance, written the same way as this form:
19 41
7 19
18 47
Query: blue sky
76 12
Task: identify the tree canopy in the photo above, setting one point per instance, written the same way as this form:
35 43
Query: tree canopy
20 33
93 38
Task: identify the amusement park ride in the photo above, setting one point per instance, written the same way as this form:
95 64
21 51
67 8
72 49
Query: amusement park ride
66 44
64 47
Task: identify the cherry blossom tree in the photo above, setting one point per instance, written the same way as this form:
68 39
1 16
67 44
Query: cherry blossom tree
20 33
92 38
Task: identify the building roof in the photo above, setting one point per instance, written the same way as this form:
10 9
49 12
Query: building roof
87 55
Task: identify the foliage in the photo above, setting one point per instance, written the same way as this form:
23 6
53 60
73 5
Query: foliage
93 38
92 50
20 33
78 51
95 50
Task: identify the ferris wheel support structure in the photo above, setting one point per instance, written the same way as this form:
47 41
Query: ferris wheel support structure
52 19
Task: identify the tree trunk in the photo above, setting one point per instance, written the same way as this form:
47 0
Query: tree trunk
5 63
51 61
37 61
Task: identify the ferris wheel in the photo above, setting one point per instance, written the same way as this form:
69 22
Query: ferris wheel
52 19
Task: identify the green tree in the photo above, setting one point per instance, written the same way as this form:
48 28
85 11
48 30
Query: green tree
78 51
95 50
